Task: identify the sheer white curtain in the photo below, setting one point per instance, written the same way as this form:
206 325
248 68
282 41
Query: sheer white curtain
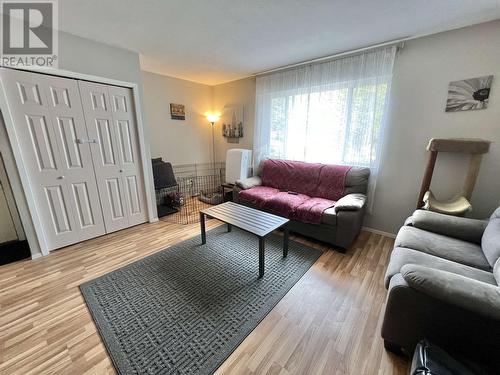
331 112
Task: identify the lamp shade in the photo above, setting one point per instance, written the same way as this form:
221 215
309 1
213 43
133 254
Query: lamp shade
212 118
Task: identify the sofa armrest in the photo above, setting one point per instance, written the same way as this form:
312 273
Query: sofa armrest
350 202
249 183
469 294
470 230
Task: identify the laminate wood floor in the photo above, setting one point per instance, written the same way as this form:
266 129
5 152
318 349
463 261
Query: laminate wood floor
329 322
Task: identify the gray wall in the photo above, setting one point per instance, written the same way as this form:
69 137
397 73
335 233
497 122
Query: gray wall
87 56
421 76
178 141
236 93
190 141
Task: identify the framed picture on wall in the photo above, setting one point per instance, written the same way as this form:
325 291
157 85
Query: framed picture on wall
177 111
469 94
232 124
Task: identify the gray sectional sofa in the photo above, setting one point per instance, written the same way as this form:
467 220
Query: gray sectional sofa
443 285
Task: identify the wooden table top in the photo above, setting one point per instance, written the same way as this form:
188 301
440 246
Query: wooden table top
254 221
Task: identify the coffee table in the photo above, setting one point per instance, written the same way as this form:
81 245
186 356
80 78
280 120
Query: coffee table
250 220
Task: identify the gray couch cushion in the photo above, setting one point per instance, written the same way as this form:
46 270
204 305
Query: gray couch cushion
470 230
442 246
356 180
401 256
491 238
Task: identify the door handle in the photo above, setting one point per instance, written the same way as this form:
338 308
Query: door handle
60 178
82 141
121 171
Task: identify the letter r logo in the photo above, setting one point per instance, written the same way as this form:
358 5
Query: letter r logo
27 28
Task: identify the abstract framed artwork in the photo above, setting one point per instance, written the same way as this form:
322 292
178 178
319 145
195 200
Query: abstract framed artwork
232 123
469 94
177 111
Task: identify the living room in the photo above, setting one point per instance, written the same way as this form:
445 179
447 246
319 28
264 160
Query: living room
237 187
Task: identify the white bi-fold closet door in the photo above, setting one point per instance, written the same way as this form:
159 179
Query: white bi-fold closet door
62 152
111 125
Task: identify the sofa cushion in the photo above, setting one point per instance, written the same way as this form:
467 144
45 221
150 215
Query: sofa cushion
290 175
257 195
356 180
491 238
401 256
462 228
283 203
442 246
314 179
311 210
331 182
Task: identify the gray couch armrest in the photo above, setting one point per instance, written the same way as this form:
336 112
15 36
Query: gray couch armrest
349 224
249 183
468 294
350 202
470 230
411 314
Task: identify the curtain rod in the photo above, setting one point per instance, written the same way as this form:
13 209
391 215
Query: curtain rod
335 56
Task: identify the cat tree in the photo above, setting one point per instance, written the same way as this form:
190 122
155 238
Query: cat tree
461 203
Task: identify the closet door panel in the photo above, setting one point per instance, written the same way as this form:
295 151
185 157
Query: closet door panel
125 126
65 127
105 151
29 106
42 142
58 209
67 114
86 213
115 193
106 144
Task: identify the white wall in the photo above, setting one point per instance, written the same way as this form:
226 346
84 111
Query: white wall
177 141
421 76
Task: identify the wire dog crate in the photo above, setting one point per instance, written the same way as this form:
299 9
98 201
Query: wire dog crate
198 187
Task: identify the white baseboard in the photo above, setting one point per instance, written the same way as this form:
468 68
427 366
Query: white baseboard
381 232
36 256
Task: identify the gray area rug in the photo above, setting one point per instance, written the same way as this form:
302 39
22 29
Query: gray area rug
185 309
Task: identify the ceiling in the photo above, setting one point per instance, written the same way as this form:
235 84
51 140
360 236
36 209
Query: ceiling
215 41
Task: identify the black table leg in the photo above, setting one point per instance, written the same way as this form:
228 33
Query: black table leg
202 227
286 234
229 227
262 241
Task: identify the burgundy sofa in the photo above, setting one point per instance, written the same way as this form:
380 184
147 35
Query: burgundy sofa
322 201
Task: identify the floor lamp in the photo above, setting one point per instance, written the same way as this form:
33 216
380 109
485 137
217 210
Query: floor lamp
213 119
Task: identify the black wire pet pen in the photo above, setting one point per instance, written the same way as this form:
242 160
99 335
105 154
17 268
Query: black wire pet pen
183 190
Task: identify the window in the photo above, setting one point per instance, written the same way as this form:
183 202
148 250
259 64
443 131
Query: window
332 112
